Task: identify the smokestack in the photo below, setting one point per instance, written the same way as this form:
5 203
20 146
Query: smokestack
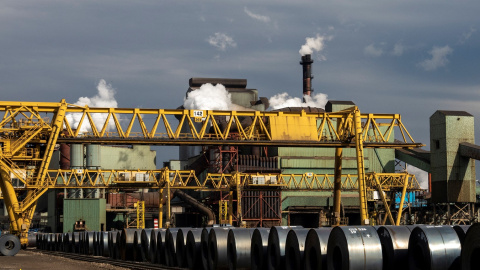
307 74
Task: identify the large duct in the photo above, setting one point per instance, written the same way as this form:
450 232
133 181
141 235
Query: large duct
307 74
197 205
316 248
434 247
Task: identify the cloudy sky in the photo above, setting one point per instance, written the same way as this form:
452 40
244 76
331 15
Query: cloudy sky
406 57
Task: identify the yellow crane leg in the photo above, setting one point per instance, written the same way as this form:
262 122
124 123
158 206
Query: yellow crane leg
361 168
160 209
337 186
239 200
230 207
402 199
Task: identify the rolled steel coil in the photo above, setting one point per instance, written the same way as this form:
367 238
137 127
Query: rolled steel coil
295 248
95 243
352 248
66 242
180 247
394 240
161 247
461 231
434 247
117 245
217 248
276 246
145 244
137 246
88 243
239 243
57 242
170 246
153 245
259 247
9 245
81 243
193 249
51 241
126 244
316 248
104 248
38 239
204 248
75 242
470 256
112 242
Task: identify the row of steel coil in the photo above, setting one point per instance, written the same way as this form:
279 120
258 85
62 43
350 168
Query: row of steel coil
283 247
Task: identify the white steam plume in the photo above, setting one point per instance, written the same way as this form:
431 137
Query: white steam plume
314 44
284 100
421 175
104 98
208 97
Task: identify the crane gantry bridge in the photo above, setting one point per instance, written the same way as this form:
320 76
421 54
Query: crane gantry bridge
30 131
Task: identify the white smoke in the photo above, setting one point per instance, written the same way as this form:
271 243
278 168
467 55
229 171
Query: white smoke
314 44
284 100
208 97
105 98
421 175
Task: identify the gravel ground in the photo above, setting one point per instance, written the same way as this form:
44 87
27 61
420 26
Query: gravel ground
26 259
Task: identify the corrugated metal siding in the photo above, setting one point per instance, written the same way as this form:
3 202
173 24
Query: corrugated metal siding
138 157
90 210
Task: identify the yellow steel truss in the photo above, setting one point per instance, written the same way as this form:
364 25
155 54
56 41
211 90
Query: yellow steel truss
28 138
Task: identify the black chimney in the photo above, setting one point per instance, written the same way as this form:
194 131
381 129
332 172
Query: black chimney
307 74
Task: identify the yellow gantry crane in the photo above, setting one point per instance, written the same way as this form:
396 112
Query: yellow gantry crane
29 132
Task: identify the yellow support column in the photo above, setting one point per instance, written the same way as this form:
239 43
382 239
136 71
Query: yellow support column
160 209
402 199
239 199
230 207
337 186
361 168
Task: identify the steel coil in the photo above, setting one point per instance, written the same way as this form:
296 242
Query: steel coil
295 248
217 248
316 248
51 241
193 249
104 249
117 245
145 244
170 246
239 244
434 247
204 248
81 242
394 240
75 242
180 246
153 245
88 243
126 244
461 231
66 242
112 244
276 246
160 254
259 248
137 246
9 245
354 248
95 243
470 256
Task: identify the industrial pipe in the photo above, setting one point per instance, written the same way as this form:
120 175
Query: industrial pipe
295 248
276 246
217 248
352 247
197 205
470 256
394 240
316 248
239 243
145 246
258 248
193 249
434 247
180 251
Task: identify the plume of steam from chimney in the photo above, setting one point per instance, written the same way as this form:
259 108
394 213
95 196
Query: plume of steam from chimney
208 97
105 98
283 100
314 44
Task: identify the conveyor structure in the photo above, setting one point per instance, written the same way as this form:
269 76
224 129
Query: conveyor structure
30 131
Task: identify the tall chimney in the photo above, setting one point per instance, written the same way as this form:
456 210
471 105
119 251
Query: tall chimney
307 74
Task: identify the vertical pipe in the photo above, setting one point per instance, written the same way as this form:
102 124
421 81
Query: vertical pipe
337 195
160 208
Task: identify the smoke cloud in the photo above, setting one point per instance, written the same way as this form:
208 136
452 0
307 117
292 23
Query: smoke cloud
208 97
283 100
105 98
314 44
421 175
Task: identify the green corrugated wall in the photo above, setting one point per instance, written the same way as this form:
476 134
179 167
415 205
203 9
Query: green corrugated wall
90 210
